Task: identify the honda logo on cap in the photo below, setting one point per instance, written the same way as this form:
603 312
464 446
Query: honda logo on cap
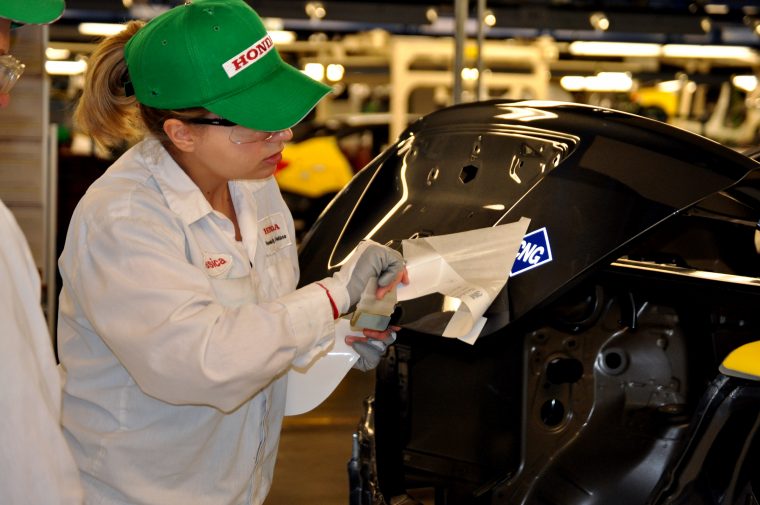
256 51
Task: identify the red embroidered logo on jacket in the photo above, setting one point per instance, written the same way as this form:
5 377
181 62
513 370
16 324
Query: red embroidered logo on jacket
271 228
217 264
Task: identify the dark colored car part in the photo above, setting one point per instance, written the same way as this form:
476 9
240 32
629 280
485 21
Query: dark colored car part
595 380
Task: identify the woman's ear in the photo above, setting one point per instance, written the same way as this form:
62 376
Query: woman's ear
182 135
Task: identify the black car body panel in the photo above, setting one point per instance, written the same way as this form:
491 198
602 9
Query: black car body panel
596 378
596 179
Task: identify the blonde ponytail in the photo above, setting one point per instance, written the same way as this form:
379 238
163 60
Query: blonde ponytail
105 111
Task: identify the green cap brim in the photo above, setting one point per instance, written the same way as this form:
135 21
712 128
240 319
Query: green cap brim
277 102
32 11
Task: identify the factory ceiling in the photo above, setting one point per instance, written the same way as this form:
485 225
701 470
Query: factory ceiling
664 21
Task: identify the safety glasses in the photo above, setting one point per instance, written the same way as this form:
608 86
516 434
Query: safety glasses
238 134
10 70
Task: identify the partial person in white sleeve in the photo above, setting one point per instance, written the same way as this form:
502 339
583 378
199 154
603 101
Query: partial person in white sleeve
36 465
179 315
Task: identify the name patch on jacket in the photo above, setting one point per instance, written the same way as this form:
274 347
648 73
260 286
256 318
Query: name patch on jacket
217 264
274 231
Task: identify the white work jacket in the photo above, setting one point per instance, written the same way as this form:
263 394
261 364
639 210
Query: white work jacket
176 338
36 465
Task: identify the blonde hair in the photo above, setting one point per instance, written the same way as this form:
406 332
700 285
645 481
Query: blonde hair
109 114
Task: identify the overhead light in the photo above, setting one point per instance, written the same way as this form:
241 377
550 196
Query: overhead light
317 37
716 9
710 52
706 25
489 18
584 48
315 11
65 67
599 21
273 24
431 14
746 83
52 53
335 72
603 81
282 36
470 74
671 86
573 82
100 29
314 70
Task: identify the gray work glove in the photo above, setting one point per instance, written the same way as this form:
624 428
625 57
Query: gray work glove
370 259
371 350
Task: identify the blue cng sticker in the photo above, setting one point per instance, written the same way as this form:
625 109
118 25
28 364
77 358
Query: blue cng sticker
534 251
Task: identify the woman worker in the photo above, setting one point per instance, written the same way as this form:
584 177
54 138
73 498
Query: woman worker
179 316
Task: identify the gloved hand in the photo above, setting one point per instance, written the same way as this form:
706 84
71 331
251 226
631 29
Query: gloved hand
371 347
369 260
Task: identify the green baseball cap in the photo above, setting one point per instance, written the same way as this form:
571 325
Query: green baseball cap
217 54
31 11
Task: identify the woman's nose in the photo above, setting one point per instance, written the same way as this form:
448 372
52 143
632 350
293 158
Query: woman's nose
280 136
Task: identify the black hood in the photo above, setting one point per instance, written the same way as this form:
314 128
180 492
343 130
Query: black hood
591 180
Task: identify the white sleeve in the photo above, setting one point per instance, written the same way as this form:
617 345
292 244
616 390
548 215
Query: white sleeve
36 465
158 314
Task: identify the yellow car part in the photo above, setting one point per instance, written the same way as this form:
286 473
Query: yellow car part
743 362
314 167
654 97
